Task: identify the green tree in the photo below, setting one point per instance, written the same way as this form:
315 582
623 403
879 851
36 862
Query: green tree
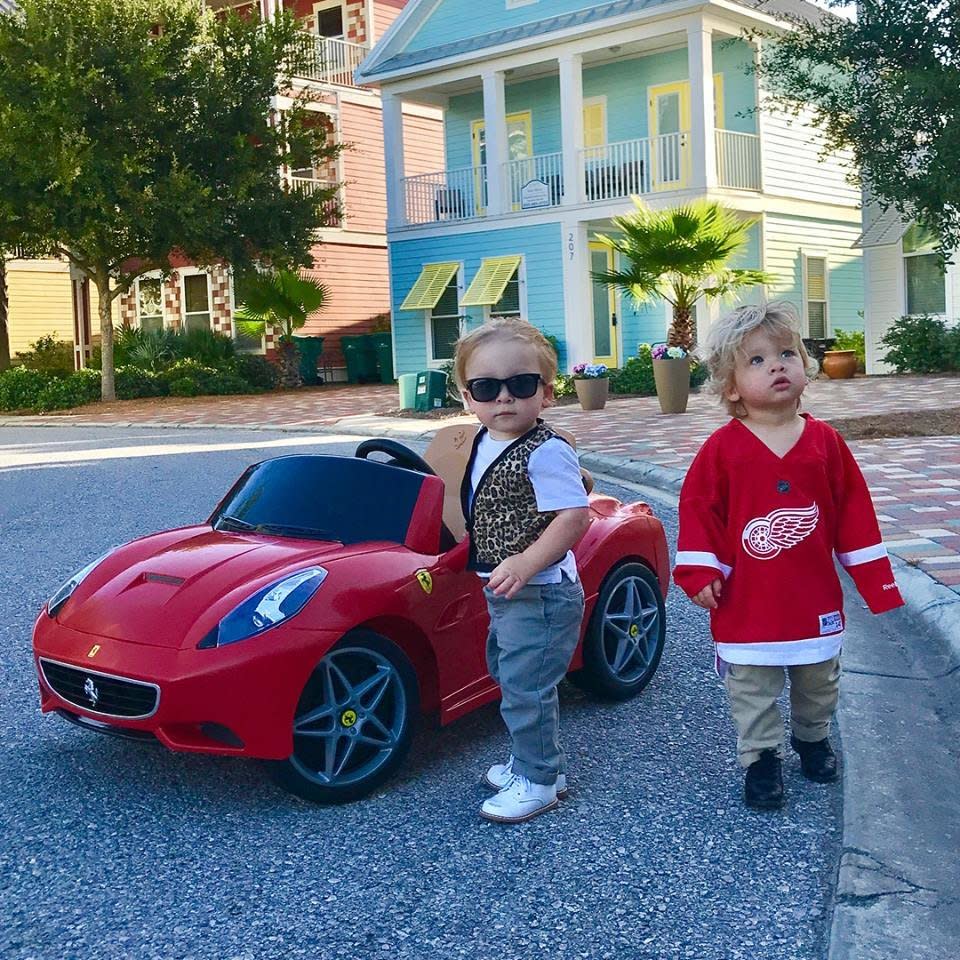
886 86
283 299
679 255
131 130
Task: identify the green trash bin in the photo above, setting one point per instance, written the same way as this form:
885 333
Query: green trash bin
360 358
383 345
310 349
431 389
408 390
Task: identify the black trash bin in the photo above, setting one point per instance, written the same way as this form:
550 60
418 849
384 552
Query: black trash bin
360 358
310 349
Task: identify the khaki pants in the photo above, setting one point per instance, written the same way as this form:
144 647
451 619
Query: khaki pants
753 693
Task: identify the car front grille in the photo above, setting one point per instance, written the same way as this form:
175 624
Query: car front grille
101 693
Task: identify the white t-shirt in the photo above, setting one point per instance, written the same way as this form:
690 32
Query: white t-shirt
554 471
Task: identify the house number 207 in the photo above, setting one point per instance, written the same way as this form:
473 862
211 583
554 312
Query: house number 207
571 245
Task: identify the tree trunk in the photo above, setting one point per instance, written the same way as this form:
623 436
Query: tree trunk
289 364
681 330
107 388
4 330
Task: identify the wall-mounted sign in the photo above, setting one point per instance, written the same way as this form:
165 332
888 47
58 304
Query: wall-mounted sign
535 193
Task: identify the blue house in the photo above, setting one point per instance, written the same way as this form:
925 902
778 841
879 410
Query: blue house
556 112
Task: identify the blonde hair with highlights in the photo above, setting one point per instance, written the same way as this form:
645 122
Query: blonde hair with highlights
505 328
724 342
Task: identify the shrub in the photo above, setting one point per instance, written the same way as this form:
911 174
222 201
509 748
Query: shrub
227 382
201 375
204 346
258 371
20 387
132 383
699 374
184 387
636 375
74 391
563 386
922 344
851 340
49 355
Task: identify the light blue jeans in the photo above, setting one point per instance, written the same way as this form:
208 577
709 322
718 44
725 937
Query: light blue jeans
531 640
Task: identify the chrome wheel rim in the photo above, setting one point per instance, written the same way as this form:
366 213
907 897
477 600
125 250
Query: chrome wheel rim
631 629
350 719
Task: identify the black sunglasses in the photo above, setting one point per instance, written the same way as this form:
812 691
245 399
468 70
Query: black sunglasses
522 386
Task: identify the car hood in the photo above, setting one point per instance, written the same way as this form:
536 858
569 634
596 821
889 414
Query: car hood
162 589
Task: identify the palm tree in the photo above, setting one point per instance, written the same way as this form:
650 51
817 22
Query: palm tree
282 299
679 255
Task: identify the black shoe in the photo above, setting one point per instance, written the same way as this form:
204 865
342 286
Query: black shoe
763 783
817 759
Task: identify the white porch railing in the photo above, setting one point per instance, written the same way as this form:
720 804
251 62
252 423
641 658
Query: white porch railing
631 167
333 212
447 195
328 60
535 181
738 160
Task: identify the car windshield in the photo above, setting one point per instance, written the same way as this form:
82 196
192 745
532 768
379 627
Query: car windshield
322 498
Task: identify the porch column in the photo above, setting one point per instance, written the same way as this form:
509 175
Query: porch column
495 132
393 157
571 126
703 150
577 293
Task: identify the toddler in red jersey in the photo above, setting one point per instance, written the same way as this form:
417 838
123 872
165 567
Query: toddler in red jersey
768 502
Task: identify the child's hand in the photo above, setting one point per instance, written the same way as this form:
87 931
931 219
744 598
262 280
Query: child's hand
508 577
709 596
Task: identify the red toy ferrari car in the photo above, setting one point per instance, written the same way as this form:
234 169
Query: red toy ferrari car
323 604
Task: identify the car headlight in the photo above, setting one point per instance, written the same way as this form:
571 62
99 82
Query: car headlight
66 589
266 608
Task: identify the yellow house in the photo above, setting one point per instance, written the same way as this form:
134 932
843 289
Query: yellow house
41 295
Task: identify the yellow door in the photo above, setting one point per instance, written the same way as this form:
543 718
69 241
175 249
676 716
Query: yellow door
604 308
519 147
669 135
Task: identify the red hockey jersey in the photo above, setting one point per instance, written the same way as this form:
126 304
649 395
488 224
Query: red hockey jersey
769 528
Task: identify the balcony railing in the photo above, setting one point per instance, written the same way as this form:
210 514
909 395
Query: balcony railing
535 181
447 195
738 160
327 60
632 167
333 214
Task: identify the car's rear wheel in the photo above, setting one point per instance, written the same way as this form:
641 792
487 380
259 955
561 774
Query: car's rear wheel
354 721
624 640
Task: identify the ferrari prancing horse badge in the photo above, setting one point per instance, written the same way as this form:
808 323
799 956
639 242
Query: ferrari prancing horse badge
425 581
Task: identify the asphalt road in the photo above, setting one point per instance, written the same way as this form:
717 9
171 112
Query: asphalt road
110 849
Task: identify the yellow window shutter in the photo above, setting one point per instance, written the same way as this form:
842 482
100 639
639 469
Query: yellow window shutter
490 282
816 278
593 116
427 291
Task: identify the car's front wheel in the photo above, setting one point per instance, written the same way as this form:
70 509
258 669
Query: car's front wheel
624 640
354 721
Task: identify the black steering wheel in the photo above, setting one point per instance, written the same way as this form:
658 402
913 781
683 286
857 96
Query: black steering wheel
401 456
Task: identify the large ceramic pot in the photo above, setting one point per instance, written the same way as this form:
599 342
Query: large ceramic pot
672 377
592 392
840 364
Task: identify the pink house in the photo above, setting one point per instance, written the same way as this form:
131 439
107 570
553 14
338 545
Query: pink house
350 257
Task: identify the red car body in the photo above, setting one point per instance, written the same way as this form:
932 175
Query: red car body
142 611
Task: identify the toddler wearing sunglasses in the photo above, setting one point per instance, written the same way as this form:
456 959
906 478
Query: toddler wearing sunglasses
525 506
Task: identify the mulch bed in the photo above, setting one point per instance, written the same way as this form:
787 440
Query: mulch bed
907 423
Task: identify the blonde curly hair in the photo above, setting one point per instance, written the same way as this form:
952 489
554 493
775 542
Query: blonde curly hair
724 342
505 328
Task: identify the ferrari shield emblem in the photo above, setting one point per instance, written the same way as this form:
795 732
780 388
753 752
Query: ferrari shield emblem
425 581
94 650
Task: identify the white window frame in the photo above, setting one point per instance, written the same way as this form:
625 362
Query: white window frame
816 255
322 5
522 279
153 275
433 361
947 286
193 272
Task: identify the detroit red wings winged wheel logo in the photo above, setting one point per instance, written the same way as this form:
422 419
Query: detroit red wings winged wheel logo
765 537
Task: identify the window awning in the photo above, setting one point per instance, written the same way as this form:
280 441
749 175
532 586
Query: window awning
490 282
427 291
888 228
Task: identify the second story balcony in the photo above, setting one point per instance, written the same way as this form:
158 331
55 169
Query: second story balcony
611 171
328 60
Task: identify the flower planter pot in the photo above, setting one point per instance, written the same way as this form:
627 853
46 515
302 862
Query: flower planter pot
672 378
592 392
840 364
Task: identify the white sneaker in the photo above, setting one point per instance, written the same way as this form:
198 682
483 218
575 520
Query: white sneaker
500 774
520 800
